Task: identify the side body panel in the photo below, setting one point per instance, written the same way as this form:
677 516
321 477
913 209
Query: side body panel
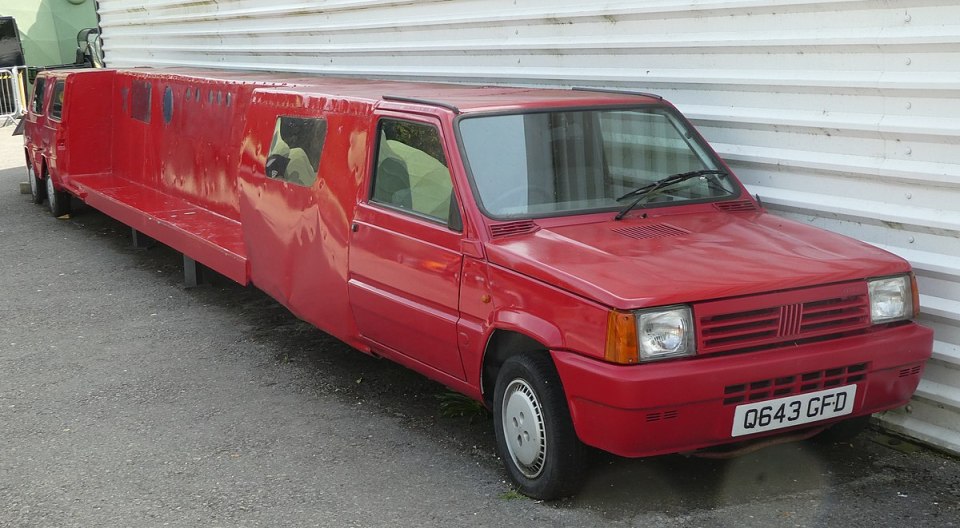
181 136
296 237
84 139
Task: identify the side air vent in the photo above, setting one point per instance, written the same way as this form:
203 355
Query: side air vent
913 371
736 206
512 228
651 231
658 416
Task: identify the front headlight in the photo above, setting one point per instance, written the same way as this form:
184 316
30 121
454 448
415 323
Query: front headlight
891 299
665 333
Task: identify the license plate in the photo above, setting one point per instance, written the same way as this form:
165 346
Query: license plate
770 415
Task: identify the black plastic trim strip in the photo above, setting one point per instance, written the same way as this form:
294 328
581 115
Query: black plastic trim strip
615 91
427 102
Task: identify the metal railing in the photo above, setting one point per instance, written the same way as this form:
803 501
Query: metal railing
12 94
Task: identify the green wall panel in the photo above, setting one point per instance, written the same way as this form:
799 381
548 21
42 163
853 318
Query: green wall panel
48 28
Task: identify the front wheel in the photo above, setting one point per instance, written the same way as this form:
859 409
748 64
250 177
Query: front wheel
59 201
36 192
535 435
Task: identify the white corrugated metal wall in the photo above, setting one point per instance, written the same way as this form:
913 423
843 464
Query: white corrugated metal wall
844 114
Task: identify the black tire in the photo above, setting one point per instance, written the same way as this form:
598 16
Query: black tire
37 191
57 200
843 432
542 455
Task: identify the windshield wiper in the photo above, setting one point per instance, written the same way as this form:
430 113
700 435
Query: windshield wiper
642 193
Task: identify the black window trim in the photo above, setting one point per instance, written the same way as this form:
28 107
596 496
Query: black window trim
39 96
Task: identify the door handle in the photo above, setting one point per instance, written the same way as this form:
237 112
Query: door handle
354 227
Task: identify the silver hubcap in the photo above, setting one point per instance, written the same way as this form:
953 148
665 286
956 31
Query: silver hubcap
34 188
523 428
51 193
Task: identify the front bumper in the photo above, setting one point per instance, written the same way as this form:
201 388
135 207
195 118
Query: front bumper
684 405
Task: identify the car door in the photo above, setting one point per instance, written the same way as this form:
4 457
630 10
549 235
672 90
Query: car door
36 119
405 259
52 144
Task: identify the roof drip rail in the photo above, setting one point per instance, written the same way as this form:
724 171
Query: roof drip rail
427 102
615 91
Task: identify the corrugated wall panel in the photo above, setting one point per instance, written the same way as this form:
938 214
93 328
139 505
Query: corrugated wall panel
844 114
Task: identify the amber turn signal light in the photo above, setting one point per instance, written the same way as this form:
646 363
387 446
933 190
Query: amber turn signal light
621 338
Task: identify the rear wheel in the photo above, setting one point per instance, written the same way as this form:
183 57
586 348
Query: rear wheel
59 201
535 435
37 192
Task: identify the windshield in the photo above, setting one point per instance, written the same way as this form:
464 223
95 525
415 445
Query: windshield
565 162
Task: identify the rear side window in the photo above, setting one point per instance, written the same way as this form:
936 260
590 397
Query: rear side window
411 171
56 101
140 94
38 95
167 105
295 150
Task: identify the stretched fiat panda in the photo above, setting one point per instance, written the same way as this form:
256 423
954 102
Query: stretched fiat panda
581 262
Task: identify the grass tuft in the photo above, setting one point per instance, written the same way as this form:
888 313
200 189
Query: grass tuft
512 495
456 405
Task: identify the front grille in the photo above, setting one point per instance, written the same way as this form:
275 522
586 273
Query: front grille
794 384
765 320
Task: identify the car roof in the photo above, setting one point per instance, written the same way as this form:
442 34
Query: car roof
458 98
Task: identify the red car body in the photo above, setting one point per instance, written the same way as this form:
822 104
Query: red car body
453 303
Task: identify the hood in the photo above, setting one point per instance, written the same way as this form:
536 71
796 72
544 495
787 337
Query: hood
688 258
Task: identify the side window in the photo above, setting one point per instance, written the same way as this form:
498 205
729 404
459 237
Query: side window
167 106
56 101
38 95
411 171
295 150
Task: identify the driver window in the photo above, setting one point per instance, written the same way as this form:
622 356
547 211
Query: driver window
411 171
38 95
295 149
56 101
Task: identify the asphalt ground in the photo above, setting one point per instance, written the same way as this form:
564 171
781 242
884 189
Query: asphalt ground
129 400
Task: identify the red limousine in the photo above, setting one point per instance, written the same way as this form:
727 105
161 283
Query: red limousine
582 262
